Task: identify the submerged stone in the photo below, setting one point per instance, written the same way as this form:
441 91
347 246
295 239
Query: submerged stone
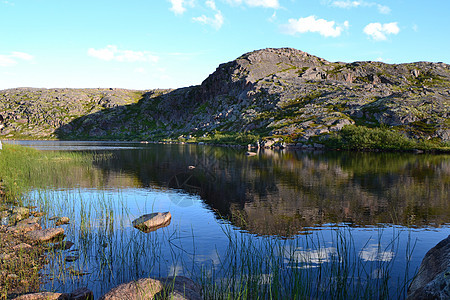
153 221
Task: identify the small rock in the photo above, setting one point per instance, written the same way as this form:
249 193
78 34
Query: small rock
71 258
22 246
18 214
153 221
42 296
5 256
62 220
45 235
64 245
38 213
81 294
12 277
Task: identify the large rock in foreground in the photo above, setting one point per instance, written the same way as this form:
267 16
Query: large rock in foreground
147 288
433 279
153 221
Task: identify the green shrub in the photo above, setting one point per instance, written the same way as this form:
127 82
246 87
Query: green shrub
363 138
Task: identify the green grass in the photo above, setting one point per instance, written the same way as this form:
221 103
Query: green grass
309 268
353 137
228 138
22 168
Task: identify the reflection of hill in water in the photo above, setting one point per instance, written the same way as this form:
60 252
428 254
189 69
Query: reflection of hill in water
281 192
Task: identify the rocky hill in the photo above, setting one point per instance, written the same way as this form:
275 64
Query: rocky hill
283 93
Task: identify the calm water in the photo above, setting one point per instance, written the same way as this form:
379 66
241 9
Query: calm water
384 203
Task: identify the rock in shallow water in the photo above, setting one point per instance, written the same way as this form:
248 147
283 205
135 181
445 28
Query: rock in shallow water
45 235
433 278
62 220
153 221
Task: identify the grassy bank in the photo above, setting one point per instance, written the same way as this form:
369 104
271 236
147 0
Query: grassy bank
23 167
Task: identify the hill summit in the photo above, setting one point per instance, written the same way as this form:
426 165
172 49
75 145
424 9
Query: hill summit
283 93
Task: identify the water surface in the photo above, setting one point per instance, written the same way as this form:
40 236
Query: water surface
386 204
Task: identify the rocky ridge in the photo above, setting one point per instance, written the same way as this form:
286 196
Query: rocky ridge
283 93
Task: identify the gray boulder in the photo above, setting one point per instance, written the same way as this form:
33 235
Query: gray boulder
433 278
153 221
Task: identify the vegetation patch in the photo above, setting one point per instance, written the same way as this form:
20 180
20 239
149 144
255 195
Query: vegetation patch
353 137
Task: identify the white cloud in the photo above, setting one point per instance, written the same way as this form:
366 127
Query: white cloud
379 32
111 52
216 21
309 258
13 58
311 24
273 18
140 70
255 3
360 3
179 6
373 253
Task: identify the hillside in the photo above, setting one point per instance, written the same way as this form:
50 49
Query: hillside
270 93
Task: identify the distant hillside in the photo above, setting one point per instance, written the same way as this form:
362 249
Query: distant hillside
286 94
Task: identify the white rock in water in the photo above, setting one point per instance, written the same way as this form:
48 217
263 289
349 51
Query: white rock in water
153 221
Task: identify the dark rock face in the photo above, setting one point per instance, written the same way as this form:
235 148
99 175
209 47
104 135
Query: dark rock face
270 92
433 279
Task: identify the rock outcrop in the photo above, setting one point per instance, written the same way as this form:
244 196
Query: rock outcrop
271 93
433 278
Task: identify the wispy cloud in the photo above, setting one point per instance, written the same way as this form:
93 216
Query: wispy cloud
312 24
179 6
216 21
361 3
112 53
13 58
255 3
379 32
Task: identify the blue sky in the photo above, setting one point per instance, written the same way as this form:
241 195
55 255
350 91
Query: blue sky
145 44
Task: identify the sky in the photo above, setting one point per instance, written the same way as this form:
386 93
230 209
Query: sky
148 44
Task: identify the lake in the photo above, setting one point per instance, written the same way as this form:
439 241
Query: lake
299 215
